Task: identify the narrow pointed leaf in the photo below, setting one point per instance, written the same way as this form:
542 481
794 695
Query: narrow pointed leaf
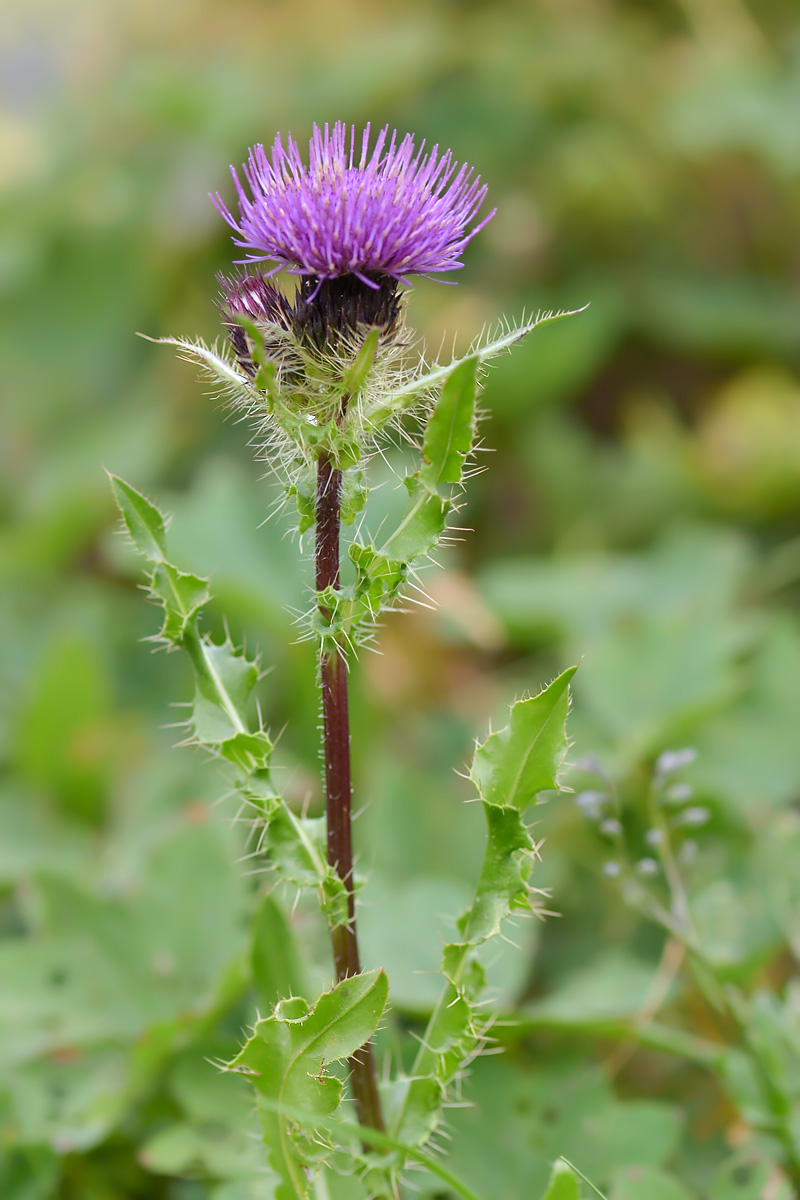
276 962
143 521
441 372
451 428
197 352
357 374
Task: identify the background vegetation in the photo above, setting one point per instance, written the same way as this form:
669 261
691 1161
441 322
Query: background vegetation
641 511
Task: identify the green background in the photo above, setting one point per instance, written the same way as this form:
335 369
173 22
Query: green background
640 511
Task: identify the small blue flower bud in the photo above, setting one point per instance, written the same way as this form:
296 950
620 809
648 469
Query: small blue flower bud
694 816
675 760
591 804
647 866
678 793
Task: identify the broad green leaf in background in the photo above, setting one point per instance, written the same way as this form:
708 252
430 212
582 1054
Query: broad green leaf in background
62 740
647 1183
278 970
615 985
520 1121
29 1174
218 1130
659 634
747 1175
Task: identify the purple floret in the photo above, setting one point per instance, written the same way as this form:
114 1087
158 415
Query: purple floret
394 212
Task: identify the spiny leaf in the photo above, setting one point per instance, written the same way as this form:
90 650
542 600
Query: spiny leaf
182 594
441 372
198 352
421 526
286 1058
509 769
143 521
515 763
502 885
450 431
224 680
297 844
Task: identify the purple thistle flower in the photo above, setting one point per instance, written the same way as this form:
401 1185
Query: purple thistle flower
394 212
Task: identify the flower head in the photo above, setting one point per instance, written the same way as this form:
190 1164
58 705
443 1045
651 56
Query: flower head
255 298
392 212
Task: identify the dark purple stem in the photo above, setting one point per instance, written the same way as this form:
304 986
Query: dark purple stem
338 788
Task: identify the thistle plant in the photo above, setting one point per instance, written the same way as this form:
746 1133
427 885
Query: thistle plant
322 368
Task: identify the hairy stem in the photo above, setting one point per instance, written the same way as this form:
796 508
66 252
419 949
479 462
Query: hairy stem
338 788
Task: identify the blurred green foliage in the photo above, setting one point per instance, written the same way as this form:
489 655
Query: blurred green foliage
641 510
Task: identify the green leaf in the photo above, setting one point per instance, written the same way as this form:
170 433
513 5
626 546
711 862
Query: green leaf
502 885
517 762
647 1183
418 1101
512 765
421 526
64 741
286 1058
277 966
521 1121
451 427
213 362
296 847
224 680
440 373
357 373
733 924
750 1174
182 594
378 580
143 521
29 1172
563 1184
